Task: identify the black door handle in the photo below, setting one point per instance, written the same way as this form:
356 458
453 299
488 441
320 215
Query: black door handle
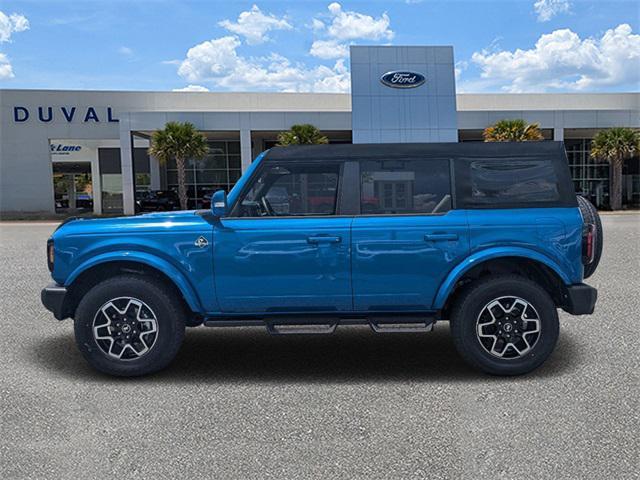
434 237
323 239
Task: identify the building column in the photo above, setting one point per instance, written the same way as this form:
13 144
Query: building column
154 172
245 149
558 134
96 184
72 193
126 167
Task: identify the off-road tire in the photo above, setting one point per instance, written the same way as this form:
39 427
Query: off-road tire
169 314
468 307
590 215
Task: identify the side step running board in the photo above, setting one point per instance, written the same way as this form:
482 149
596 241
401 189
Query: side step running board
278 326
401 326
275 328
293 325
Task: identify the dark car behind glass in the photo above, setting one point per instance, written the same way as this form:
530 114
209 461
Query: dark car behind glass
157 201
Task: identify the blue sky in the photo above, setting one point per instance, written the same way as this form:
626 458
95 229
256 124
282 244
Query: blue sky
500 46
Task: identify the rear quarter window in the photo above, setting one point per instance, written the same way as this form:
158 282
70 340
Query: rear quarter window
509 182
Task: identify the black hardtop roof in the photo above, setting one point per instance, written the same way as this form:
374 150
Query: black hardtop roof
413 150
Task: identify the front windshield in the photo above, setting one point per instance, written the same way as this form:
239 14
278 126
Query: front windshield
233 194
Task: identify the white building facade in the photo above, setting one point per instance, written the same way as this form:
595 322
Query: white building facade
86 151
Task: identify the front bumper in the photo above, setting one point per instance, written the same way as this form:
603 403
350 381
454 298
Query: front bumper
580 299
53 298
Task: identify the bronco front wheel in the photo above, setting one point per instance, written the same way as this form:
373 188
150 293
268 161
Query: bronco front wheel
506 325
129 326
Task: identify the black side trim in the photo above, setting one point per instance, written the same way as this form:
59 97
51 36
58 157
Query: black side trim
580 299
349 199
53 297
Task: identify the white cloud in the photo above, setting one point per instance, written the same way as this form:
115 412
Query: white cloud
460 67
217 62
327 49
562 60
210 59
254 25
192 88
317 25
10 24
348 25
547 9
126 51
6 71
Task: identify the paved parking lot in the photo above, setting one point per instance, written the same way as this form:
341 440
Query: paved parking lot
239 403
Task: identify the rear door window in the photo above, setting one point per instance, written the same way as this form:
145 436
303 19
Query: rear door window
511 181
420 186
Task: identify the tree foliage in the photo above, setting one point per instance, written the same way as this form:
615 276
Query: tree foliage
615 145
304 134
516 130
180 142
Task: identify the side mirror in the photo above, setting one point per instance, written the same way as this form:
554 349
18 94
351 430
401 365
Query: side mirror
219 203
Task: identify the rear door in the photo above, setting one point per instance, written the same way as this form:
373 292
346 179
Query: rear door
285 248
407 237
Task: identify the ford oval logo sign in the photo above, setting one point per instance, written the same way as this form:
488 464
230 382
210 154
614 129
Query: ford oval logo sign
401 79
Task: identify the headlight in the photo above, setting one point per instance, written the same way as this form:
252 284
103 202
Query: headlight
50 254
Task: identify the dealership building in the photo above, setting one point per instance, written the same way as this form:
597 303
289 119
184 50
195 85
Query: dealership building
86 151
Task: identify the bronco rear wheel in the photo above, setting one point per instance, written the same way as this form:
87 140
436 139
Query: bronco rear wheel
507 325
129 325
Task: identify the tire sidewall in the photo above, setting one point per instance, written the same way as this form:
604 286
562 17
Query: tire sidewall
169 318
590 215
464 325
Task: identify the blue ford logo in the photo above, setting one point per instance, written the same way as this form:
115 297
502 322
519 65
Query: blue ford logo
401 79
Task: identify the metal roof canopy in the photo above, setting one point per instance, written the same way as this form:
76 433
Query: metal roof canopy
416 150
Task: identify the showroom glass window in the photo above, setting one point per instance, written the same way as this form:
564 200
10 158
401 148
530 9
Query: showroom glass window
219 170
292 190
590 176
420 186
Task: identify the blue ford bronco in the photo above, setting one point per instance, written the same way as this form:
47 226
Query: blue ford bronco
489 236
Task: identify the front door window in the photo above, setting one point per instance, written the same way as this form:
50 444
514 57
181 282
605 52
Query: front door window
292 190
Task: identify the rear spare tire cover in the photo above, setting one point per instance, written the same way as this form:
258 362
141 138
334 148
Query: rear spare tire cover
590 215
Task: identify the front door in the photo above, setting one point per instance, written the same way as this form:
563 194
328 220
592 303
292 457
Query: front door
408 238
283 248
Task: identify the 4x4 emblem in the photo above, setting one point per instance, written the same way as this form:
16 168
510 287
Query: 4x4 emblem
201 242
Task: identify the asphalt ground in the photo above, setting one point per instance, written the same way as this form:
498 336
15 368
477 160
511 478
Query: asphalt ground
238 403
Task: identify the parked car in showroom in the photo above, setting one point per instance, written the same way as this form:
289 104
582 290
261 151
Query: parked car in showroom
487 236
157 201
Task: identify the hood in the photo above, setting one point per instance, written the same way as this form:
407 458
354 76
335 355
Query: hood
151 222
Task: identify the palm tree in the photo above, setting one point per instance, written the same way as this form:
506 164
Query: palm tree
512 131
615 145
304 134
178 141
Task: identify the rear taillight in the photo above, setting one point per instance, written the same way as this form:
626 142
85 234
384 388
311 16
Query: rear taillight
50 253
588 243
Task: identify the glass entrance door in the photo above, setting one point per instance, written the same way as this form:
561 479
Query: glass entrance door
73 187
